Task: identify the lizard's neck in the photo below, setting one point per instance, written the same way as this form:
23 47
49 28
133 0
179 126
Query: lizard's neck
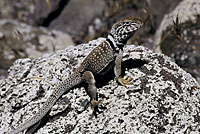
113 44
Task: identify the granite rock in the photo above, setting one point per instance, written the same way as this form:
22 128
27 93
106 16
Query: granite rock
19 40
163 99
77 16
32 12
178 36
187 10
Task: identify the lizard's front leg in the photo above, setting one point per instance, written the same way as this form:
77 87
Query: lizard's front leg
126 80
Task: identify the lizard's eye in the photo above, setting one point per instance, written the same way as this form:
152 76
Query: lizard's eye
127 23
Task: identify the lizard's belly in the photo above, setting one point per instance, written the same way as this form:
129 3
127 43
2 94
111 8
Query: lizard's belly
107 68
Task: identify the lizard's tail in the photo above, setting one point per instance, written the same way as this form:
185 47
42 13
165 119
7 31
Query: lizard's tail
59 89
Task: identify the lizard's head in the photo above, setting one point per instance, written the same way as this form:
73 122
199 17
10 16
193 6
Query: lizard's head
124 29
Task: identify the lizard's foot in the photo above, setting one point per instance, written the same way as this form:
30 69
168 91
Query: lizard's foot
95 108
126 80
95 103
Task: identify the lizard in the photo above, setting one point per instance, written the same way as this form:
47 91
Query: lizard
102 58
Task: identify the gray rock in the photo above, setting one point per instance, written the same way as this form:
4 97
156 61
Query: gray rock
163 99
181 40
77 15
187 10
19 40
33 12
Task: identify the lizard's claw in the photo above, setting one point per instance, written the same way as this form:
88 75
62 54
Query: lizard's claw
126 80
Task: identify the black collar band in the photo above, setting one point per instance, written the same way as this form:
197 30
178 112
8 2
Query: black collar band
111 43
120 47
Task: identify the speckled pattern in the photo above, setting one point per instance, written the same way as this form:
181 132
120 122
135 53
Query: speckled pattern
99 58
125 29
164 98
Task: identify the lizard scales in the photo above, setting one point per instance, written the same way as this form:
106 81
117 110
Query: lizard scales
99 61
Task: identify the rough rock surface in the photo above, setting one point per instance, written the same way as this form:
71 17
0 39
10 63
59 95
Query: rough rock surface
181 40
19 40
163 99
187 10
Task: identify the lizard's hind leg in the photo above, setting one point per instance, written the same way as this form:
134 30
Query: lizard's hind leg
92 90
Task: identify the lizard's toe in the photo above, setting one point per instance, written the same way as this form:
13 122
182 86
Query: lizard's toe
126 80
95 103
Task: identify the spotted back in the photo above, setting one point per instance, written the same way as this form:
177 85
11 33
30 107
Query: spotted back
99 58
124 29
